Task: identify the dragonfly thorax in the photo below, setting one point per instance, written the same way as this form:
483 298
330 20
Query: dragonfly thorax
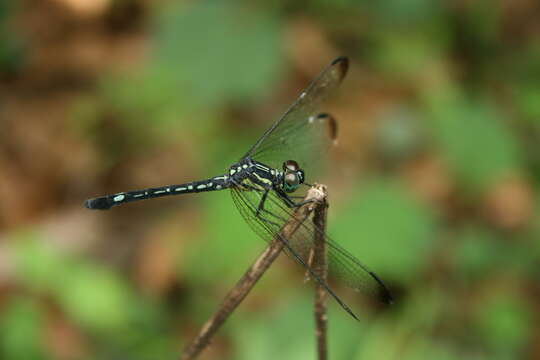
249 174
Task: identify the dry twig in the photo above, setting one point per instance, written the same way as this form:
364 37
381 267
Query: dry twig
317 196
320 268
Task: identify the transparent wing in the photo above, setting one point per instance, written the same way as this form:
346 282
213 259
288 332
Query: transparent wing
300 134
342 265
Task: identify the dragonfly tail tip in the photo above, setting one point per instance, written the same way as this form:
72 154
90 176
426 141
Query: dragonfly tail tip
97 204
343 63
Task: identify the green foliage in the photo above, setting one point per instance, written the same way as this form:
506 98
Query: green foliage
423 49
481 253
452 81
478 253
21 326
195 70
405 12
12 52
505 324
529 97
89 294
475 141
281 327
82 289
483 20
237 57
38 264
88 291
527 89
147 337
226 248
387 226
281 333
407 333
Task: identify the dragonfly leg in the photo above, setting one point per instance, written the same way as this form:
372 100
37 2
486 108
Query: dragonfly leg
286 199
264 214
296 197
261 204
259 209
289 200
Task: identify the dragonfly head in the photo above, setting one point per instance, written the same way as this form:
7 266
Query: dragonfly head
293 176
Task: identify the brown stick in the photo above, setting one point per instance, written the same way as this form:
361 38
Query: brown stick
320 268
316 194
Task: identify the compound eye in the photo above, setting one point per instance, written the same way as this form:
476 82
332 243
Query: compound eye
291 179
290 165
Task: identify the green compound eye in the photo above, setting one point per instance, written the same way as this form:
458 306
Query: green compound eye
291 181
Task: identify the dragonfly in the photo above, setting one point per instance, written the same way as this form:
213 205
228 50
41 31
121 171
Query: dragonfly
266 182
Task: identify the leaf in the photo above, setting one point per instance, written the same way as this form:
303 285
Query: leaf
386 229
21 326
95 298
505 323
476 143
219 51
227 247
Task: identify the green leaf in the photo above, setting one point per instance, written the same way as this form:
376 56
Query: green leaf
528 97
286 332
95 298
38 264
228 247
505 323
477 144
386 229
406 12
425 47
21 330
219 50
477 252
13 48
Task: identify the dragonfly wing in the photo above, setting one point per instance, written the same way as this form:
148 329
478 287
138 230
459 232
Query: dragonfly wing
342 265
300 134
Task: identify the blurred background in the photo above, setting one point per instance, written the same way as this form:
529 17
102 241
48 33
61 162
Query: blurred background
434 184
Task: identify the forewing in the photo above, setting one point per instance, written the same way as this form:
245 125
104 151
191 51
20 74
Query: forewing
300 134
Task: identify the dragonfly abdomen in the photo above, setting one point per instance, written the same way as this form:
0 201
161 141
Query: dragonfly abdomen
108 201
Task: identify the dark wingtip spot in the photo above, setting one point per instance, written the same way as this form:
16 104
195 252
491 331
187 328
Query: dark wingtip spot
384 294
342 63
340 59
387 297
97 204
332 125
